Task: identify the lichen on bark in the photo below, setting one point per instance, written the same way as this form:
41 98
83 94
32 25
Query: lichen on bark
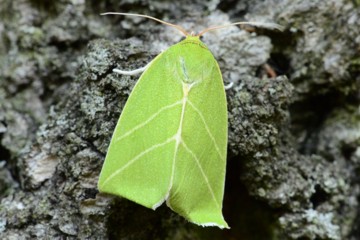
293 139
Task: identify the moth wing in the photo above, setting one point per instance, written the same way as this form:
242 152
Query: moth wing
139 160
198 182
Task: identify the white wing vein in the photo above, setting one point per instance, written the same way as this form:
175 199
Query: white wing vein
152 117
137 157
202 172
207 129
177 138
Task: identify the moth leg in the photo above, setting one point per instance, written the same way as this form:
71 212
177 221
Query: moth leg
227 87
132 72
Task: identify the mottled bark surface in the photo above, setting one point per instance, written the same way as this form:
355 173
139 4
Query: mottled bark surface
294 139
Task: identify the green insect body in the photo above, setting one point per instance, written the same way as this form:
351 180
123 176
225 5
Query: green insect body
170 142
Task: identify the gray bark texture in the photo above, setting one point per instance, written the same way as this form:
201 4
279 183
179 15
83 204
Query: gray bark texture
294 116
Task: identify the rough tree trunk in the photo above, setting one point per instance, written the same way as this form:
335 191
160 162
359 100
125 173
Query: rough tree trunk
294 138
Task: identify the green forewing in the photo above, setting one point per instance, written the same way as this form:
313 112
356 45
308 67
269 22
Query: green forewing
171 139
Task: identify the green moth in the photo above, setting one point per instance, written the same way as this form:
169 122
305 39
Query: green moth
170 142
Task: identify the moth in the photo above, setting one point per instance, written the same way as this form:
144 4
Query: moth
170 143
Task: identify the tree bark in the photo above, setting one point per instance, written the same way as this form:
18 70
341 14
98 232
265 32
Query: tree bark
294 122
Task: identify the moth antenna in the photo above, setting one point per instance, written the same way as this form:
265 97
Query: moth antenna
256 24
181 29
